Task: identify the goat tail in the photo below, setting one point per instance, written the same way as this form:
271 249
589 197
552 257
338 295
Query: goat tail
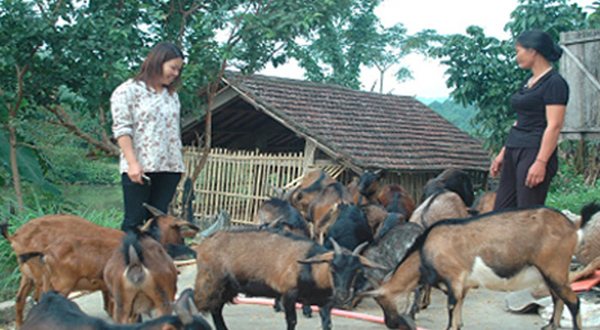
4 230
23 258
134 260
588 211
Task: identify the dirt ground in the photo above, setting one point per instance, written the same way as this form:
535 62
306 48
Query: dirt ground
483 310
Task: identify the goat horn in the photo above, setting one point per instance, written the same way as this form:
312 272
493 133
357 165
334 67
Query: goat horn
275 222
155 212
336 246
146 226
359 248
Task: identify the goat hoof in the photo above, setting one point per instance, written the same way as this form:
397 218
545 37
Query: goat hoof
306 311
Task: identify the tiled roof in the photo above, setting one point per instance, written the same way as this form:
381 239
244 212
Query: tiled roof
372 130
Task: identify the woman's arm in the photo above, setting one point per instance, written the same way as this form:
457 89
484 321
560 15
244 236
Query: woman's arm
135 172
555 116
497 162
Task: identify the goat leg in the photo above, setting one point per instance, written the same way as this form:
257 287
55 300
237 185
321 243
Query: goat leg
217 316
288 300
325 313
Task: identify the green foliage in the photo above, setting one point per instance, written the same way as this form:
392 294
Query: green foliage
482 70
569 190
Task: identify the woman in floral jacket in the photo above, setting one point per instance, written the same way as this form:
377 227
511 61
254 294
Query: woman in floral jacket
146 123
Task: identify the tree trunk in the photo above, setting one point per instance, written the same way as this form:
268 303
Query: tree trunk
15 167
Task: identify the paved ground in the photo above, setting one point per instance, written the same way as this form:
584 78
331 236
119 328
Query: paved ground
483 310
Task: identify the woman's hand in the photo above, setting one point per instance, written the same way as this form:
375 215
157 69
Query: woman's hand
496 165
536 174
135 173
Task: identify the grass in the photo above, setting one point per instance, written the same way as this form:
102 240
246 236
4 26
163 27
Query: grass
101 204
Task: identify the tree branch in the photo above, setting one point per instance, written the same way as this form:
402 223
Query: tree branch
65 121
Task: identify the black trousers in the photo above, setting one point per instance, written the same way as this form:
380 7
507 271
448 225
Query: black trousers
512 191
157 192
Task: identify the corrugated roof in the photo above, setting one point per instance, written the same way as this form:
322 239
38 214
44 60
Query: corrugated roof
372 130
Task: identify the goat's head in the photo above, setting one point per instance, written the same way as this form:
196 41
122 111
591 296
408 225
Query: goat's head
345 267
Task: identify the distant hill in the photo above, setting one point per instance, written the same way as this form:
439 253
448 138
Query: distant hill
456 114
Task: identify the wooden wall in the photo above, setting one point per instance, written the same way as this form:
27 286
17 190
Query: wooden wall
580 66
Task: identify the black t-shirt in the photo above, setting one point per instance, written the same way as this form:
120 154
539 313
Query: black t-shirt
530 106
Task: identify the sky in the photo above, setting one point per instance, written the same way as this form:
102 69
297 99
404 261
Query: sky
444 16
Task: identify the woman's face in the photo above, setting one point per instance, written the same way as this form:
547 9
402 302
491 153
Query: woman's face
171 70
525 56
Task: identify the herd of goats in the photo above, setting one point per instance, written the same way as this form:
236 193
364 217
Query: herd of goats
323 243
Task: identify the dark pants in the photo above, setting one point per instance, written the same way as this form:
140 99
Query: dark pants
158 192
512 191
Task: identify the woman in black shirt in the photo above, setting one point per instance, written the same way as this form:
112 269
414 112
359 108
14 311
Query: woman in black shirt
528 161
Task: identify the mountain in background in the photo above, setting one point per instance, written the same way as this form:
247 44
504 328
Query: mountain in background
455 113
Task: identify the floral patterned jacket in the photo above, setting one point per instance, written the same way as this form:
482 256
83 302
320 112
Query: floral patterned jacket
152 120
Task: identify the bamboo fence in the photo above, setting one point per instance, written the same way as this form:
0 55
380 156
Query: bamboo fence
239 181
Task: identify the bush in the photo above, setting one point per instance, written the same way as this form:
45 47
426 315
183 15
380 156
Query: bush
569 191
69 165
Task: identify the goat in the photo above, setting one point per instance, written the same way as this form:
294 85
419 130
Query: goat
396 200
55 312
141 277
392 220
451 179
33 238
350 228
388 250
441 205
504 250
312 184
485 202
281 215
273 264
321 209
365 190
375 214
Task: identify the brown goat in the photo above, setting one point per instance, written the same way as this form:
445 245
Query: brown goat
439 206
37 234
273 264
485 202
312 184
375 214
396 200
364 189
321 211
504 251
141 277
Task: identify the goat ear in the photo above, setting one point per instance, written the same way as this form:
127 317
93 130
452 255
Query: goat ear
155 212
320 258
371 264
182 223
183 314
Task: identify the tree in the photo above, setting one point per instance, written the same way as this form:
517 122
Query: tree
482 70
62 58
356 38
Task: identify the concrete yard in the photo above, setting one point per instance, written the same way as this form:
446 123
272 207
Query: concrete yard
483 309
